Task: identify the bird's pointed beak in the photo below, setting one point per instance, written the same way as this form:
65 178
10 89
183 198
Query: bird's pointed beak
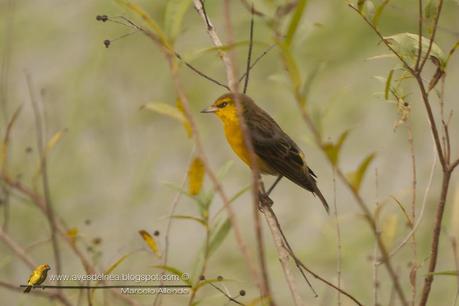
209 109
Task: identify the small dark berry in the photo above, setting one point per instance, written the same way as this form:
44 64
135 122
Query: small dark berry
156 233
219 278
202 277
242 292
406 104
107 43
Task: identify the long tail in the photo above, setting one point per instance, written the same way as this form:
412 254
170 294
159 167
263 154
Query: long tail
322 198
27 290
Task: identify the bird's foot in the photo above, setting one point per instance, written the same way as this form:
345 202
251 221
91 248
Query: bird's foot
264 200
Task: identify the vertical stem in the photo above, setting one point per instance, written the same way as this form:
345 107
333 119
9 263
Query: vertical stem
435 239
44 175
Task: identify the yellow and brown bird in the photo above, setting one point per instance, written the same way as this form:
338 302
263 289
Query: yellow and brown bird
276 153
37 277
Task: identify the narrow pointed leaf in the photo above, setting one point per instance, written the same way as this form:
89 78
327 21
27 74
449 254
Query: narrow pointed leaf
355 178
150 241
182 217
446 273
196 173
173 16
218 235
388 83
389 229
186 122
166 110
174 271
295 21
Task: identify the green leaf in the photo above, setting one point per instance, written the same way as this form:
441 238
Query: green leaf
205 51
389 229
388 82
174 271
451 52
183 217
224 170
446 273
166 110
333 150
430 13
261 300
6 139
295 21
407 45
173 16
117 263
292 67
355 178
209 281
218 235
150 22
378 12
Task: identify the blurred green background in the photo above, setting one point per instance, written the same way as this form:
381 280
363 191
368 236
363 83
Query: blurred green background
115 162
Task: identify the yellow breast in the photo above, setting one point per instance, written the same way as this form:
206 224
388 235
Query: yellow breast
235 138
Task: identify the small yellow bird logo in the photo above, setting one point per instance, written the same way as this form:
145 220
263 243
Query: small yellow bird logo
37 277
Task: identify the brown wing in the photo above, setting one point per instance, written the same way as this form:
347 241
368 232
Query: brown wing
279 151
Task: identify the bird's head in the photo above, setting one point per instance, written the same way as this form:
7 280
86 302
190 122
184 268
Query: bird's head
45 267
225 106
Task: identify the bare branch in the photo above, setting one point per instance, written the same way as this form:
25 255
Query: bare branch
432 38
44 174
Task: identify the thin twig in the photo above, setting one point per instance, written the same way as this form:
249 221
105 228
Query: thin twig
285 244
283 254
413 213
176 200
432 38
51 295
256 61
44 174
418 59
338 239
17 249
201 73
249 55
263 281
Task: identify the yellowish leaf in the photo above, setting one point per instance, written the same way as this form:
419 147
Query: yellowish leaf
72 234
389 229
150 241
333 150
355 178
116 264
150 22
165 109
55 139
186 122
6 140
52 142
195 176
259 301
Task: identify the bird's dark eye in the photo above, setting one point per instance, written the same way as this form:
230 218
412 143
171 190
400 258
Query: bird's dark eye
222 105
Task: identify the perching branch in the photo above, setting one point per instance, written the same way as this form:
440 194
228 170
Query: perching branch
263 281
